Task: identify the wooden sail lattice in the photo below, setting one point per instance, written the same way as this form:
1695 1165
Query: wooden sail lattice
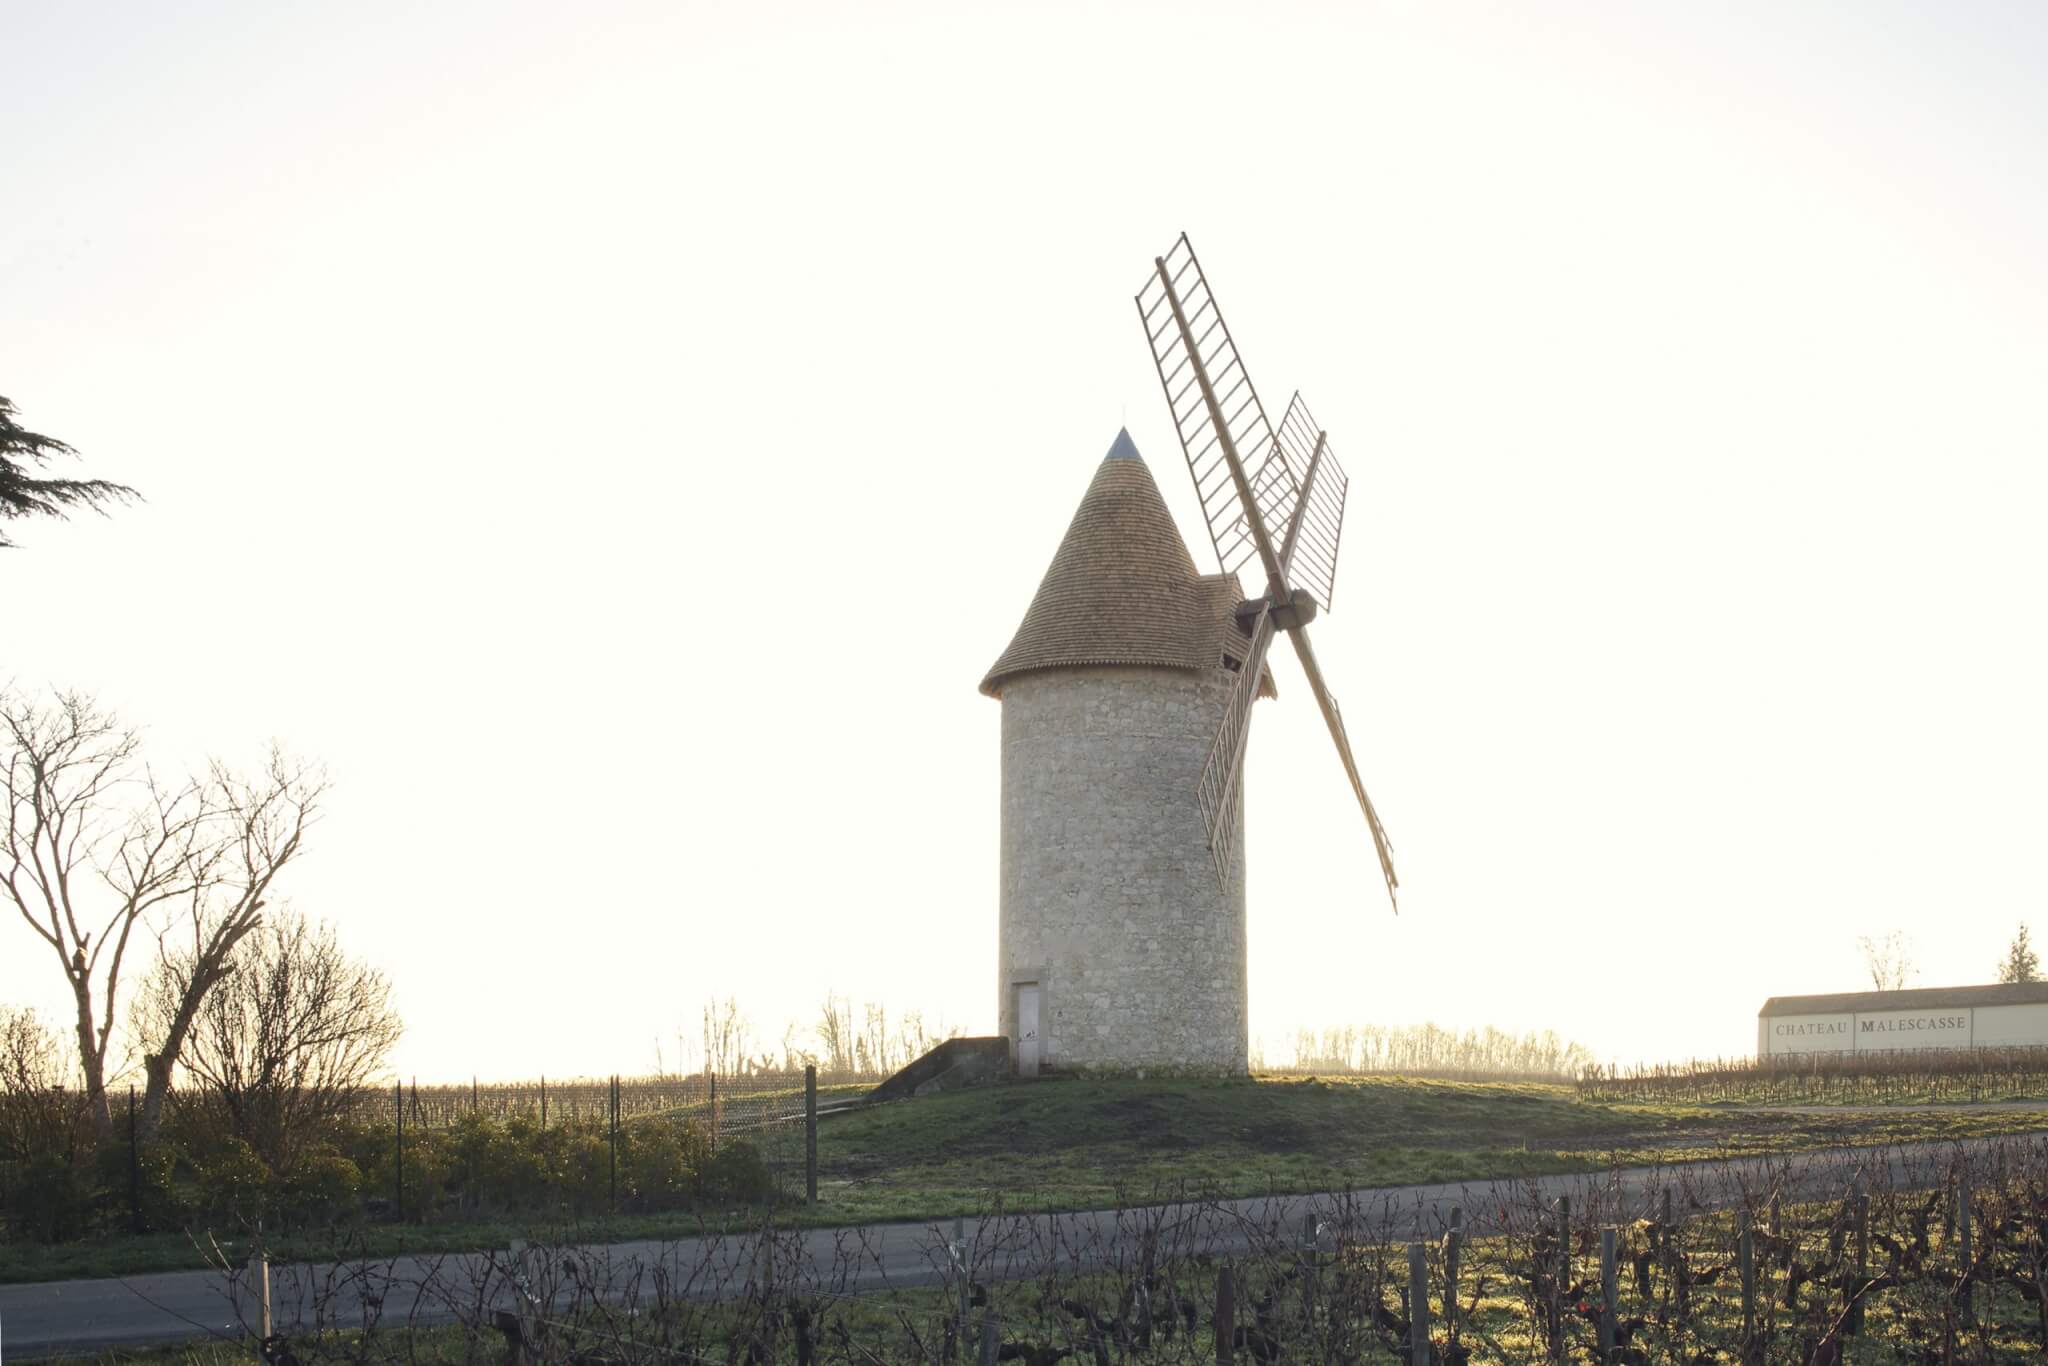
1223 771
1313 564
1274 495
1183 323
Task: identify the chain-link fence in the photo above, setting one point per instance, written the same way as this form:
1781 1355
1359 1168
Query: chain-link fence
572 1149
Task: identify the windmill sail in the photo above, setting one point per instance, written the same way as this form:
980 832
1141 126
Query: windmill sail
1253 482
1313 565
1223 771
1183 325
1334 719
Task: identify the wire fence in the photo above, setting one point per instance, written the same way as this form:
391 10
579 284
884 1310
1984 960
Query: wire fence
551 1148
1947 1076
737 1101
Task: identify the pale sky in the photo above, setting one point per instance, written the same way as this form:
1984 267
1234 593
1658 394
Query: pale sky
618 438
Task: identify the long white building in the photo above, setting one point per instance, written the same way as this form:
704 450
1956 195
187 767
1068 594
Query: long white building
2005 1016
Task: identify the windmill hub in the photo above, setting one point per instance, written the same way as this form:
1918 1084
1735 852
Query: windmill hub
1296 609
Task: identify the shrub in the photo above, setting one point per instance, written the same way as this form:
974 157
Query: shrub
738 1172
165 1203
234 1185
198 1127
51 1201
427 1172
519 1166
661 1165
154 1179
321 1188
585 1174
469 1142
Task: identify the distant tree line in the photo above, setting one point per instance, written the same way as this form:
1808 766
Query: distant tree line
1432 1049
847 1037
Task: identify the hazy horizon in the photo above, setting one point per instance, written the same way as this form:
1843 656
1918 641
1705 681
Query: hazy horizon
617 442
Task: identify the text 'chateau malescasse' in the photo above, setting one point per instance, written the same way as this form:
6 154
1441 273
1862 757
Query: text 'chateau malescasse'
2004 1016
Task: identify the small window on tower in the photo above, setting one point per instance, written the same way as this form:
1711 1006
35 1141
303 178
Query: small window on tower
1232 663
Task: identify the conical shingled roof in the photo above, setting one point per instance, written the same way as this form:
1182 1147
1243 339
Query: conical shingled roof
1122 588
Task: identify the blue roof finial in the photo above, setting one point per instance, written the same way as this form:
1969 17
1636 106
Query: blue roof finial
1123 448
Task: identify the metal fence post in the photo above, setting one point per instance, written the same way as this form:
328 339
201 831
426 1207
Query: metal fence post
614 1107
810 1134
399 1102
134 1166
711 1083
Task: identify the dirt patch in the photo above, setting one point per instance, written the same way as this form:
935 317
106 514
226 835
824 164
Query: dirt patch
1277 1136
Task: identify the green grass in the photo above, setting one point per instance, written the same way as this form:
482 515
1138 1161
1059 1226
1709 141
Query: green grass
1079 1144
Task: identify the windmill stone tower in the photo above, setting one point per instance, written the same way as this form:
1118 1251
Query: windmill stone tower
1127 699
1120 947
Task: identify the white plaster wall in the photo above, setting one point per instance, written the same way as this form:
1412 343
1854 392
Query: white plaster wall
1881 1031
2012 1026
1109 898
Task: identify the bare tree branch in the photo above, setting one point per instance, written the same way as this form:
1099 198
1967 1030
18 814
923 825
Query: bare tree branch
95 844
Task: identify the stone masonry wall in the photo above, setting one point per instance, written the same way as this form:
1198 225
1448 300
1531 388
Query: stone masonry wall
1109 898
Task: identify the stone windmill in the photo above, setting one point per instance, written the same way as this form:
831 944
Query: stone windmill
1127 696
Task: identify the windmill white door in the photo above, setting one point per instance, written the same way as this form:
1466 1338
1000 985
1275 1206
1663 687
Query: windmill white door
1027 1029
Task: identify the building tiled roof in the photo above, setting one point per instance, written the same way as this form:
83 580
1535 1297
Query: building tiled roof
1122 588
1917 998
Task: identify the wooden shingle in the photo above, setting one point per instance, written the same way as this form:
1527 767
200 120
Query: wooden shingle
1122 588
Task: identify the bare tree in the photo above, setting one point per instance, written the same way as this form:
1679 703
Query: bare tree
792 1056
912 1039
728 1036
96 846
1890 959
835 1032
288 1036
873 1046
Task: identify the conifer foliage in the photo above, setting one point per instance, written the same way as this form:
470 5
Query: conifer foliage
24 493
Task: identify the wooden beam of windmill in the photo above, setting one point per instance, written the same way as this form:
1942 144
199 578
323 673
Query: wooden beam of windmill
1270 486
1212 399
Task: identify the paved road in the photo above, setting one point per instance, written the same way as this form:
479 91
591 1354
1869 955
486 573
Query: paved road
82 1316
1908 1107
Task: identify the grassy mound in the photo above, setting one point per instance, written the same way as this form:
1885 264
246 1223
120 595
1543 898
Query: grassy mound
1082 1143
